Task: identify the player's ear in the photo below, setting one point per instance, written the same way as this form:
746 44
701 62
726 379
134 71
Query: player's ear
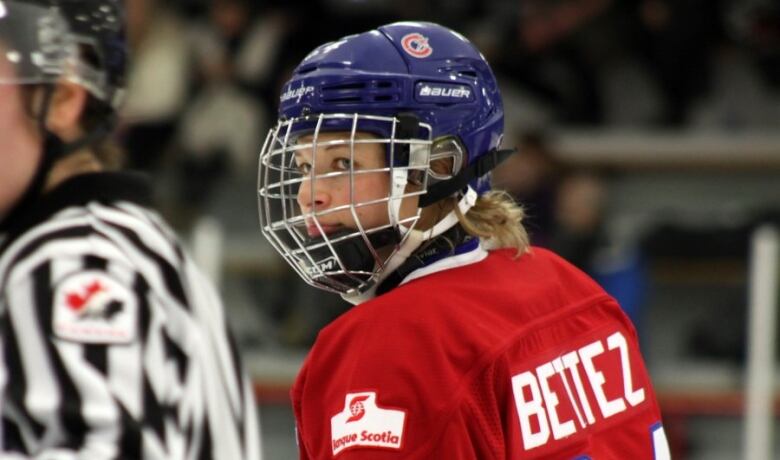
65 109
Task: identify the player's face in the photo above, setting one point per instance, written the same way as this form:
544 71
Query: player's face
325 193
20 147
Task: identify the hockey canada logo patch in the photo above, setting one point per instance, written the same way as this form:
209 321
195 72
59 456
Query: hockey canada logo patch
92 307
416 45
364 424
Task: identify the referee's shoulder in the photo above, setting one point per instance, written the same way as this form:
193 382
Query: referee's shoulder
114 233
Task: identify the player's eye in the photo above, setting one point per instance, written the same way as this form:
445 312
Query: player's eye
342 164
304 168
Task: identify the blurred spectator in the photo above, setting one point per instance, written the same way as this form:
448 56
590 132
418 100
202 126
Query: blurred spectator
158 82
547 56
579 215
740 98
745 90
755 24
676 40
223 126
564 205
532 177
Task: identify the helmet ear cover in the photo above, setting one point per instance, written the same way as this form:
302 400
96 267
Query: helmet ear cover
447 152
478 168
447 158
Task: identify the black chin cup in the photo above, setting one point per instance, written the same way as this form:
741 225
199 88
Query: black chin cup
355 256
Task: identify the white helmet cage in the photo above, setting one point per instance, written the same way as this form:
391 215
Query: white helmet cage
322 261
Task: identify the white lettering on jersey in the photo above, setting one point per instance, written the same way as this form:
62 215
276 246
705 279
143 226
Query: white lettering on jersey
633 397
559 430
527 408
570 361
363 423
597 381
559 369
539 405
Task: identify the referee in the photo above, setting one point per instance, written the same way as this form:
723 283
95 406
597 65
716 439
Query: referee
113 345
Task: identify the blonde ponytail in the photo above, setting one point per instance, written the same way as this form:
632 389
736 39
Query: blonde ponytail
497 218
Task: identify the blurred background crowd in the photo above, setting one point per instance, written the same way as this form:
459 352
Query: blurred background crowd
649 153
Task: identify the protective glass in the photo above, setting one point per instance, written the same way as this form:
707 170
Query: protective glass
35 45
348 259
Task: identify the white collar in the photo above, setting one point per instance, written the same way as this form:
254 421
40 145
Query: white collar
477 254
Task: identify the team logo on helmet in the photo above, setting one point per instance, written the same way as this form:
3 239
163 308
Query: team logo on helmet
416 45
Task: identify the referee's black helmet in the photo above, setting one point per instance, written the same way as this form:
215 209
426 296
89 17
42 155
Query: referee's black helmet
98 29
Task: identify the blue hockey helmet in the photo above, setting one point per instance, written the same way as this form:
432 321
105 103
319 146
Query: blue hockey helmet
417 68
420 89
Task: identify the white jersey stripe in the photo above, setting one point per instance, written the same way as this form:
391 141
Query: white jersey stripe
43 397
98 407
154 240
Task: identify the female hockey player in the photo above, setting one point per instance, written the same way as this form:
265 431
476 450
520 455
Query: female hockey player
112 344
464 343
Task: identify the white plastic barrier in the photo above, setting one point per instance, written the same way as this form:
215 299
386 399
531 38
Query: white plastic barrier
763 285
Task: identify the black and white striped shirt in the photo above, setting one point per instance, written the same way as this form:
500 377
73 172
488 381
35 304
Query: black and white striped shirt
114 346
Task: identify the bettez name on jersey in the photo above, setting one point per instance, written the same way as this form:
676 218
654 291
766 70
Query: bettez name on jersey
547 395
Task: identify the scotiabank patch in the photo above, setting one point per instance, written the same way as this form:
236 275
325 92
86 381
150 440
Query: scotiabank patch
364 424
92 307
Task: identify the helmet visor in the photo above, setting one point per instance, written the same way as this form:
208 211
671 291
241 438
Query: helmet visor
35 45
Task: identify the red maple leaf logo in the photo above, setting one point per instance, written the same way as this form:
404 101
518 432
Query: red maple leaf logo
77 301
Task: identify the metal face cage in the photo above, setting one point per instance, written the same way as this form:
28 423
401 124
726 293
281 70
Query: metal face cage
352 259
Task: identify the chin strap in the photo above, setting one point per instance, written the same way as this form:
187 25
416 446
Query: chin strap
468 201
100 132
52 151
438 248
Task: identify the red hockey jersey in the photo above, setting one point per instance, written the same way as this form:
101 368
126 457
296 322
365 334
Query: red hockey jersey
521 358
